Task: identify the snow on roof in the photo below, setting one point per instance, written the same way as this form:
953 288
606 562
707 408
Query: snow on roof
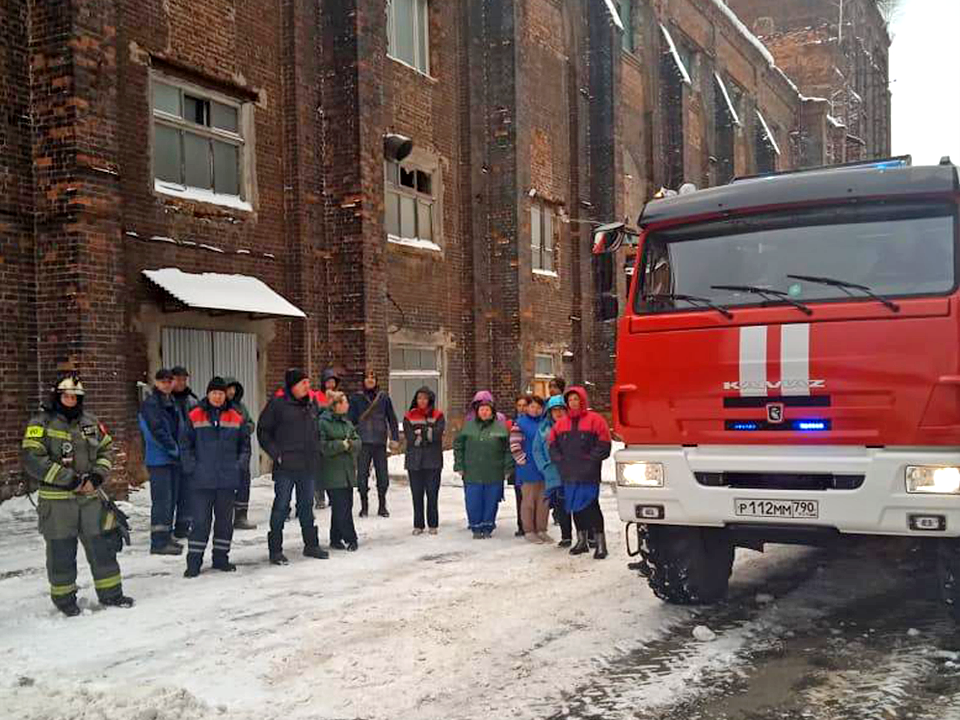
726 96
676 55
217 291
743 30
614 15
767 132
833 121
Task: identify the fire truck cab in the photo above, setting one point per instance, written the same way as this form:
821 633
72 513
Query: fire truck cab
788 370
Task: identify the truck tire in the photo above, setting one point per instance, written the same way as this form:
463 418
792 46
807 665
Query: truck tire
686 565
948 575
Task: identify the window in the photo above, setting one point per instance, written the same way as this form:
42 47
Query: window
725 120
198 143
408 38
543 373
625 11
543 229
412 368
767 149
409 203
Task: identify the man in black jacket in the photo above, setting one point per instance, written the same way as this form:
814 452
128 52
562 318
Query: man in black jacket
371 411
289 432
185 400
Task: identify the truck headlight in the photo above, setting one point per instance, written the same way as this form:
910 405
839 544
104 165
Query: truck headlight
640 474
936 480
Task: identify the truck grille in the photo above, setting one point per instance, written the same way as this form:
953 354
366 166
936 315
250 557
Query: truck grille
780 481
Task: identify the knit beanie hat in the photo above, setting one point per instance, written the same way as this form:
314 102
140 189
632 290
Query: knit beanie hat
293 376
217 383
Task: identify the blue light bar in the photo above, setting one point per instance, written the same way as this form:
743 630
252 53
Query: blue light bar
808 425
746 426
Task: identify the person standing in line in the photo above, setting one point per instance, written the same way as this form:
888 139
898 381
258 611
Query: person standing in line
241 504
553 485
185 400
520 407
329 381
371 412
288 431
218 449
340 445
160 426
482 457
556 386
534 508
423 427
70 454
579 443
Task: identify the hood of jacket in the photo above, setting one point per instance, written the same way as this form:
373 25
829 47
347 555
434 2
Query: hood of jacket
582 394
481 397
329 374
233 382
431 404
556 401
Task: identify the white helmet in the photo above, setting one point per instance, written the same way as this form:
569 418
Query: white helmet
70 385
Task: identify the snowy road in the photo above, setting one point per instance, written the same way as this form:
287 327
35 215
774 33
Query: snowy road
449 627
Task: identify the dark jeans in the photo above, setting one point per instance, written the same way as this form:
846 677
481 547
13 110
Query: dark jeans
561 515
242 501
341 516
284 482
184 504
209 504
163 500
377 454
518 496
425 482
590 519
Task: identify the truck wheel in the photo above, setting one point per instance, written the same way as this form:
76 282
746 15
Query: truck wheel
686 565
948 574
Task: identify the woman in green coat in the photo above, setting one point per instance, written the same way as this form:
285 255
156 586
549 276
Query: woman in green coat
340 444
482 456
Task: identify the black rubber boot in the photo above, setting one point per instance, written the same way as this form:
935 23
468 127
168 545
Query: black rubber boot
275 545
601 552
364 504
222 563
382 506
69 608
581 547
311 545
121 601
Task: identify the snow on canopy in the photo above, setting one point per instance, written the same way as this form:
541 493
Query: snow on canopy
676 55
614 15
726 96
766 131
217 291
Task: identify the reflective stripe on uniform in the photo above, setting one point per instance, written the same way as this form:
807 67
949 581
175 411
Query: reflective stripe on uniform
107 583
52 473
60 590
59 434
107 440
160 528
32 445
104 462
48 494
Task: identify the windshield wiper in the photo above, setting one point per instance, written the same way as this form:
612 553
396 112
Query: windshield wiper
766 294
693 300
847 287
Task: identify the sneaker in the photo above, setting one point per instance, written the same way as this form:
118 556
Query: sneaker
417 531
170 548
433 531
121 601
352 547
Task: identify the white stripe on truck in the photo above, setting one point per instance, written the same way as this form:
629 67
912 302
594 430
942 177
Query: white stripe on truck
795 359
753 361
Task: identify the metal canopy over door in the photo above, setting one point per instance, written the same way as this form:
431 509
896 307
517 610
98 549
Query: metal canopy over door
206 353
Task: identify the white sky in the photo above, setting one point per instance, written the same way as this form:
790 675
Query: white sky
925 80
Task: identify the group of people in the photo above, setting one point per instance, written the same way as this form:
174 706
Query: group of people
322 444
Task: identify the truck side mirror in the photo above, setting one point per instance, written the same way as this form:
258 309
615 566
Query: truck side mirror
608 238
609 307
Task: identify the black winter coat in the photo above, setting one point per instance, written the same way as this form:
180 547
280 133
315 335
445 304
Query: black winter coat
289 432
217 447
423 431
373 430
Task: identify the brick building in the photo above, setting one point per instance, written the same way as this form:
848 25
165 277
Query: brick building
838 52
404 185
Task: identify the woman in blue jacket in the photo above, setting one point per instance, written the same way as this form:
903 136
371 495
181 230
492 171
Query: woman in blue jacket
553 485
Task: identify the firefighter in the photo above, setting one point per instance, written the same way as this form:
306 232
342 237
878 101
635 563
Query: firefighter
69 453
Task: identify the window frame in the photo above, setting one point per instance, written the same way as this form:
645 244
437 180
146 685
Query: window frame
421 24
241 140
539 252
406 374
628 41
391 185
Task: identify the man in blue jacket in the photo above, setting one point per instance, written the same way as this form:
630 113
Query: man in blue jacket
160 425
371 411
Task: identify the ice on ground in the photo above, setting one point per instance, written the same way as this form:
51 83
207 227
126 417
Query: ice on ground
764 598
704 634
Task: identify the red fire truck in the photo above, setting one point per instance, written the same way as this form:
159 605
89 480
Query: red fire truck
788 370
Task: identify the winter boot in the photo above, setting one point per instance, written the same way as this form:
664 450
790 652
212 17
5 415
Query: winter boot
382 505
591 539
311 545
70 609
364 504
352 547
240 521
601 552
275 545
319 499
171 548
564 543
581 547
222 563
121 601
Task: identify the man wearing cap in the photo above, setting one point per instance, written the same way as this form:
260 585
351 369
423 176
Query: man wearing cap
69 453
160 425
185 400
217 447
289 432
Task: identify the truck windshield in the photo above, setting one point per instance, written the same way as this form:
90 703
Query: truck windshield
894 250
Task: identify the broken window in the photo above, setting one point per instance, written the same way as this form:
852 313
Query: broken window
408 202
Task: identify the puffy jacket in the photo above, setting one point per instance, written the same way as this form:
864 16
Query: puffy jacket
160 425
482 452
238 404
379 421
318 396
541 447
289 433
522 436
217 446
423 431
339 459
579 443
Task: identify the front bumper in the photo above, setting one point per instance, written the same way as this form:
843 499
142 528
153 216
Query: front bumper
880 506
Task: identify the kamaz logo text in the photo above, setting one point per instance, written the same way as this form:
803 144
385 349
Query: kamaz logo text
765 385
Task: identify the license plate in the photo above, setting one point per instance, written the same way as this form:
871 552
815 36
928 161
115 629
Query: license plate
776 508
